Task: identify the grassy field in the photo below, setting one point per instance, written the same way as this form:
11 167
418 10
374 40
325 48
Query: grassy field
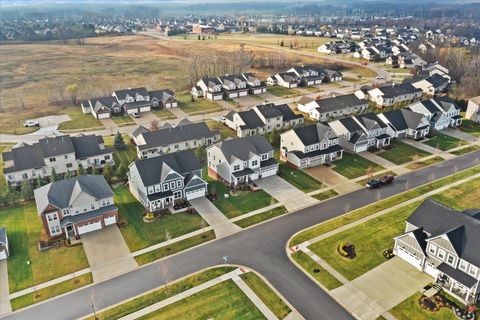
175 247
24 229
161 294
370 240
410 309
138 234
266 294
222 301
50 292
282 91
443 142
316 271
299 179
199 105
424 163
262 216
353 166
236 205
470 127
325 195
402 153
79 120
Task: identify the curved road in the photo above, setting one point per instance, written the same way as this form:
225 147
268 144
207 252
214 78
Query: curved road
261 247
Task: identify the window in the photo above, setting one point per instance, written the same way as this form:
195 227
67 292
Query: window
107 157
24 175
472 270
52 159
107 201
264 157
92 206
176 146
450 259
236 167
69 165
463 265
66 156
150 190
77 210
66 212
441 253
178 194
179 183
157 188
432 249
172 185
254 163
165 187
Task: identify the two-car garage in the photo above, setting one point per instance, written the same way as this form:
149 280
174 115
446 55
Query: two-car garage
409 257
196 193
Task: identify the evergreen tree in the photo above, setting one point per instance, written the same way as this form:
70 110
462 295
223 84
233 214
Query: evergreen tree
80 170
26 190
118 143
108 172
54 176
121 171
39 182
12 195
95 171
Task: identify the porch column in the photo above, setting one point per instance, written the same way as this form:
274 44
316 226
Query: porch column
66 232
467 296
451 286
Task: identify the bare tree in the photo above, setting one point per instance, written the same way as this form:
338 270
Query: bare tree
154 125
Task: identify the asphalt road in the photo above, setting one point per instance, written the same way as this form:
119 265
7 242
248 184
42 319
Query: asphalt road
261 248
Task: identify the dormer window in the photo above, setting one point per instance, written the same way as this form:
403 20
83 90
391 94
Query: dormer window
264 157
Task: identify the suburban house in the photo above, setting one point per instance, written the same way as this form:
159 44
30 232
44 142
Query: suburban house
444 243
433 68
4 253
332 76
255 86
358 134
210 88
163 99
395 93
159 181
332 108
102 108
432 85
75 206
287 79
310 146
441 112
241 160
261 119
134 100
185 135
473 110
404 123
234 86
62 154
308 76
228 87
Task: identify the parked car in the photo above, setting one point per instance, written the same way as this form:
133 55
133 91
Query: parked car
379 77
373 184
223 119
136 115
31 123
387 179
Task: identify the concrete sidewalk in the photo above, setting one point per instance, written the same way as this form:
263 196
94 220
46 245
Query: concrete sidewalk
5 306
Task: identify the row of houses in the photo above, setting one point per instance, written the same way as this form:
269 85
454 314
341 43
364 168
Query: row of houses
304 76
228 87
129 101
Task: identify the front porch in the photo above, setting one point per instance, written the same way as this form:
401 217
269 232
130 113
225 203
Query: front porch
457 283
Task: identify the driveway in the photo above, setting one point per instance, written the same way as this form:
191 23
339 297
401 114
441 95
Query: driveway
381 288
333 179
146 118
250 101
108 123
5 306
107 253
284 192
460 135
215 218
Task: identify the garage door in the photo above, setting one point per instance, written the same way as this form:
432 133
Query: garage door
3 255
431 270
90 227
232 95
361 148
315 162
195 194
257 91
110 220
269 172
174 104
103 115
217 98
144 109
243 93
130 111
410 258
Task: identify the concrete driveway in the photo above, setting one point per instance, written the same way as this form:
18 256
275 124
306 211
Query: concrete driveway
250 101
460 135
107 253
332 179
5 306
146 118
284 192
381 288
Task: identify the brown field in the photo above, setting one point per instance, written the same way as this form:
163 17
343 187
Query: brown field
34 76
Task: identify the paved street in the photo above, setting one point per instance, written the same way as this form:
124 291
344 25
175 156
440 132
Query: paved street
261 248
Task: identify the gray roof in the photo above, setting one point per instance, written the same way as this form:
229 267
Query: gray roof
312 134
369 119
3 235
242 148
121 94
287 113
62 193
398 90
269 110
339 103
162 95
402 119
180 133
89 146
251 119
437 80
154 170
462 228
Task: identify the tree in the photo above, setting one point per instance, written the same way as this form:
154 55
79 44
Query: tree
198 37
108 172
80 170
26 190
201 155
281 43
95 171
39 182
54 176
118 143
121 171
72 90
154 125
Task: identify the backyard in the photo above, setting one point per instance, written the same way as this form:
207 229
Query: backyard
401 153
299 179
443 142
138 234
359 168
122 157
27 266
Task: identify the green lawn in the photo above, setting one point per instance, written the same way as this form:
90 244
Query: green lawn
266 294
470 127
322 276
123 120
402 153
262 216
138 234
299 179
236 205
225 132
353 166
199 106
125 157
50 292
281 91
378 206
466 150
160 294
425 163
24 229
370 240
461 197
325 195
222 301
410 309
79 120
175 247
163 114
443 142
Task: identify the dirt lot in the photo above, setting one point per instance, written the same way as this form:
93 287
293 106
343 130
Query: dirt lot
34 76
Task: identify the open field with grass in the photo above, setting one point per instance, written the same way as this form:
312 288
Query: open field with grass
262 216
299 179
138 234
123 120
161 294
353 166
79 120
325 195
470 127
443 142
27 266
122 157
461 197
401 153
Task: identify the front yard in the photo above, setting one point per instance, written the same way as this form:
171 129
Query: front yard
199 105
410 309
470 127
299 179
280 91
443 142
138 234
163 114
401 153
461 197
353 166
27 266
79 120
